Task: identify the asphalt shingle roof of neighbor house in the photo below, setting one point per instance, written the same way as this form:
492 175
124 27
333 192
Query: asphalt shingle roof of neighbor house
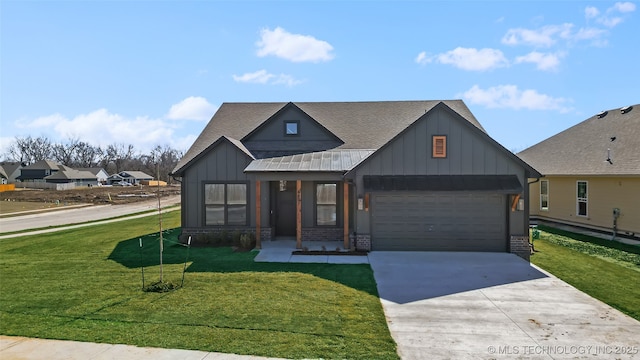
43 164
360 125
67 173
3 173
137 174
584 148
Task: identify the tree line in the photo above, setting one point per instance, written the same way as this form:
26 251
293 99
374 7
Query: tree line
114 158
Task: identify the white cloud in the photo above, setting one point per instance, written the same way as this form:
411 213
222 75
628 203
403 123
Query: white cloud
467 59
422 58
192 108
293 47
543 61
545 36
264 77
102 128
258 77
623 7
510 97
591 12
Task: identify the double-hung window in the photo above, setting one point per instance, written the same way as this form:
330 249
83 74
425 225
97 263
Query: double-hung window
225 204
582 192
544 194
326 204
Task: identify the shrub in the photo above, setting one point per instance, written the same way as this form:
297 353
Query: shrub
235 238
247 241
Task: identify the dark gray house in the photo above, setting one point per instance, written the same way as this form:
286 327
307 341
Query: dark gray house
39 170
391 175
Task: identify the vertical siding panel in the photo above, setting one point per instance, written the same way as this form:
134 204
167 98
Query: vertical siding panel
478 156
490 156
454 148
466 153
444 126
409 150
387 159
421 144
398 156
432 129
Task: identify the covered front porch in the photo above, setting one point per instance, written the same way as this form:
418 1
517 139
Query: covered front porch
305 198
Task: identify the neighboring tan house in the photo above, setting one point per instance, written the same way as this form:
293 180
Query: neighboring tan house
11 170
66 175
37 171
389 175
131 177
591 174
100 174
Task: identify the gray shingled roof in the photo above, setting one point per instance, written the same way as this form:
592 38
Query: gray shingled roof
3 173
71 174
361 125
322 161
582 149
43 164
137 174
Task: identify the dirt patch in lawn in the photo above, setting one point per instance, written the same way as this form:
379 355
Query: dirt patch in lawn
93 195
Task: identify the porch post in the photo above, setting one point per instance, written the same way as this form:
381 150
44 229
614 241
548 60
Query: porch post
258 213
345 233
298 214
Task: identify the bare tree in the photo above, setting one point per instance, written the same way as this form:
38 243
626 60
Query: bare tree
29 150
117 157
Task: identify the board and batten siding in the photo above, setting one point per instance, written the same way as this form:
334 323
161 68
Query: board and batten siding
270 138
468 153
223 163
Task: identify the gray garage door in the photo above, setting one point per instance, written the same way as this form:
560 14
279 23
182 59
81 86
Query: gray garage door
439 221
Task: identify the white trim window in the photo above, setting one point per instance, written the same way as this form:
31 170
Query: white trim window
544 195
582 198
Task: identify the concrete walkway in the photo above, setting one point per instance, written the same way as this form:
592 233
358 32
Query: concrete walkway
12 347
445 305
282 251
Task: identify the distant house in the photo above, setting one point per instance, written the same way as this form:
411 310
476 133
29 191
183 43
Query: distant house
11 170
37 171
3 177
131 177
67 175
100 173
591 174
384 175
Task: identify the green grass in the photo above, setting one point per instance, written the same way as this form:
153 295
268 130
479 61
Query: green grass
85 284
607 273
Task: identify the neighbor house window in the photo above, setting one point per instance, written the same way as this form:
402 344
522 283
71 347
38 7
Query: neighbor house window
544 195
326 204
291 127
439 146
225 204
582 198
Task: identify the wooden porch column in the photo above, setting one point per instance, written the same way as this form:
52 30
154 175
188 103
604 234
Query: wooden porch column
298 214
345 233
258 213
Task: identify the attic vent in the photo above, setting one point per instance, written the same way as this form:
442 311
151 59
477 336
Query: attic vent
602 114
626 109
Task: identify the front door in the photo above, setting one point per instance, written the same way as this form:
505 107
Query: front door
285 212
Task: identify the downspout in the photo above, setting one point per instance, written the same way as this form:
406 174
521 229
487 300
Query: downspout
616 215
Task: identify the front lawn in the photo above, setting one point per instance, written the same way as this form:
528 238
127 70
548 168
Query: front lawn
85 284
609 272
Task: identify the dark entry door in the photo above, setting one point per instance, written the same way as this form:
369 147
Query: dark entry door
286 209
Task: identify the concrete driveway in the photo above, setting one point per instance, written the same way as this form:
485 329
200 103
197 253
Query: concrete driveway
445 305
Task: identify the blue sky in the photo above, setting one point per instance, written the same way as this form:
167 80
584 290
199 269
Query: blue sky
153 73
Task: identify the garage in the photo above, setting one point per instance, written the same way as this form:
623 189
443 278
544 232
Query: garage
439 221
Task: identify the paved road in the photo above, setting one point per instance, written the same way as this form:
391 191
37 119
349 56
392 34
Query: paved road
80 215
444 305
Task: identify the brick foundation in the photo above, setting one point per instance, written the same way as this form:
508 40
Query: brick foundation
519 245
360 241
322 234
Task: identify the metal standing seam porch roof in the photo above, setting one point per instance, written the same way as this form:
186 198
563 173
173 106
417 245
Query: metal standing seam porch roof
341 160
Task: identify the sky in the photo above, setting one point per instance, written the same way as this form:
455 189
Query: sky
153 73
